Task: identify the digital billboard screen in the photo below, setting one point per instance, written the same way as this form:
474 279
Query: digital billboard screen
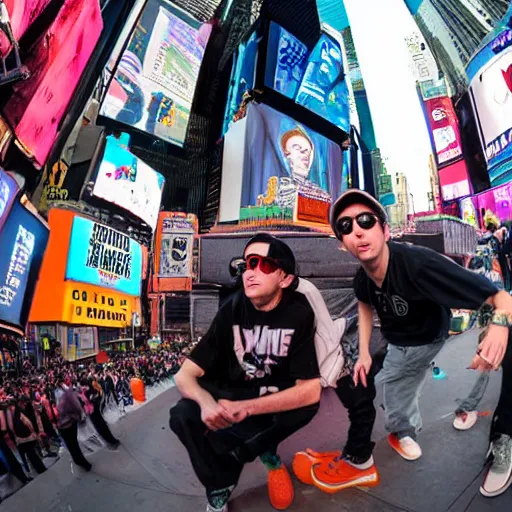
243 78
154 84
8 190
23 239
102 256
492 95
128 182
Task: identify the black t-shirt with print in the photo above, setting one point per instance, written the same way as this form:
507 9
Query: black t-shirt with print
259 351
420 288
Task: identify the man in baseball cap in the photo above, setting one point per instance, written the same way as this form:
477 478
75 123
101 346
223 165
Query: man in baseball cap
412 290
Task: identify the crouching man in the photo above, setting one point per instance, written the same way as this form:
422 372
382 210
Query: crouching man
253 379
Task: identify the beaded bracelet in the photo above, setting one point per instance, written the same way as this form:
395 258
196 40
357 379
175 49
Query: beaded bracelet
501 318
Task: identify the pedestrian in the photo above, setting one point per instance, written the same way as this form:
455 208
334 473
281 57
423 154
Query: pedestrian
252 380
412 289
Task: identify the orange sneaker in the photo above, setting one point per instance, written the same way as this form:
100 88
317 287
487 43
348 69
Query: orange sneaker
280 488
407 447
304 461
337 475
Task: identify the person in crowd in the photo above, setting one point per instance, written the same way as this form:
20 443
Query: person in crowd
412 290
71 414
253 379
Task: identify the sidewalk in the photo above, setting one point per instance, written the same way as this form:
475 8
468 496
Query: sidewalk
151 472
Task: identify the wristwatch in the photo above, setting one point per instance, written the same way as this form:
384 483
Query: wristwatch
501 318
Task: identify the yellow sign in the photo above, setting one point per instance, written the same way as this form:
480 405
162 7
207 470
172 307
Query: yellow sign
92 305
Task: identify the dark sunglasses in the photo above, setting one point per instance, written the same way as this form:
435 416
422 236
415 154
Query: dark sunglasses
364 220
254 261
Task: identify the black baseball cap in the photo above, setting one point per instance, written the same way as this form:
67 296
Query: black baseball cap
354 196
277 250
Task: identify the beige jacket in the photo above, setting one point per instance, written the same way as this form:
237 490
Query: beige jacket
328 335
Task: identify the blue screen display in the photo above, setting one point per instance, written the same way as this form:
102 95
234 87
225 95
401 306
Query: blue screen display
102 256
8 190
23 239
324 89
287 59
243 76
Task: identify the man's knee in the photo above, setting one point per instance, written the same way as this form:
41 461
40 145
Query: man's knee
182 414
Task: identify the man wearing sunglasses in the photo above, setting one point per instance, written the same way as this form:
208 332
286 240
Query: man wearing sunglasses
253 379
412 290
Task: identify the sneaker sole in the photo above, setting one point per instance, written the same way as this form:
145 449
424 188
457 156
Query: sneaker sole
499 492
303 462
365 481
402 453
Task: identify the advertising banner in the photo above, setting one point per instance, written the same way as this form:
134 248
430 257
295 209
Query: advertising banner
454 181
56 63
128 182
23 239
102 256
177 243
492 95
155 81
444 127
283 161
8 190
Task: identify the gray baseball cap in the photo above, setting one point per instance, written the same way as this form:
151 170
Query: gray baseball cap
350 197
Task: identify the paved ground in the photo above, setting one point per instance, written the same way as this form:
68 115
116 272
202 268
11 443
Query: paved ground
151 472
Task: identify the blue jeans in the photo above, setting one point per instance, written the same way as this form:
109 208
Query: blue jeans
403 376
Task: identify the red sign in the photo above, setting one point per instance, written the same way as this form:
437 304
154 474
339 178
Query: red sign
444 127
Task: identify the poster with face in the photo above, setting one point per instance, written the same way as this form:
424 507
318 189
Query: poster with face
177 243
284 160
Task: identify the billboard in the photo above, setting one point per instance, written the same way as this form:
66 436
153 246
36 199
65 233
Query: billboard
444 127
177 244
454 181
128 182
102 256
56 63
491 90
243 78
23 239
275 168
8 191
155 81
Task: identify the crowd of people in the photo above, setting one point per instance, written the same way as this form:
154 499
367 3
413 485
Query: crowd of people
42 407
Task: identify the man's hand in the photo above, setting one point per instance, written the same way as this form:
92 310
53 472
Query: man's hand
237 411
362 369
491 350
215 416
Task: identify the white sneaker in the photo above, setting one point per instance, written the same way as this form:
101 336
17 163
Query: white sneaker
209 508
406 447
499 476
466 420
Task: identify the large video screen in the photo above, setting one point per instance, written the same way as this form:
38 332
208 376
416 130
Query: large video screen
23 239
287 59
102 256
8 190
315 80
243 78
155 81
288 166
128 182
492 95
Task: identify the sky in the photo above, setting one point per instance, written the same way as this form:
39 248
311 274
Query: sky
379 28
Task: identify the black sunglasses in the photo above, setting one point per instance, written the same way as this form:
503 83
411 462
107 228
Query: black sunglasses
365 220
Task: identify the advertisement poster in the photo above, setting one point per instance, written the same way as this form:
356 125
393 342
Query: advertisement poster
177 244
23 240
102 256
243 76
444 127
37 105
155 81
128 182
324 89
492 95
8 190
286 61
284 160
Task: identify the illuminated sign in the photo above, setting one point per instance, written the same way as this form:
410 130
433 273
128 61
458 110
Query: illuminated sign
504 40
23 240
128 182
8 189
176 245
102 256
